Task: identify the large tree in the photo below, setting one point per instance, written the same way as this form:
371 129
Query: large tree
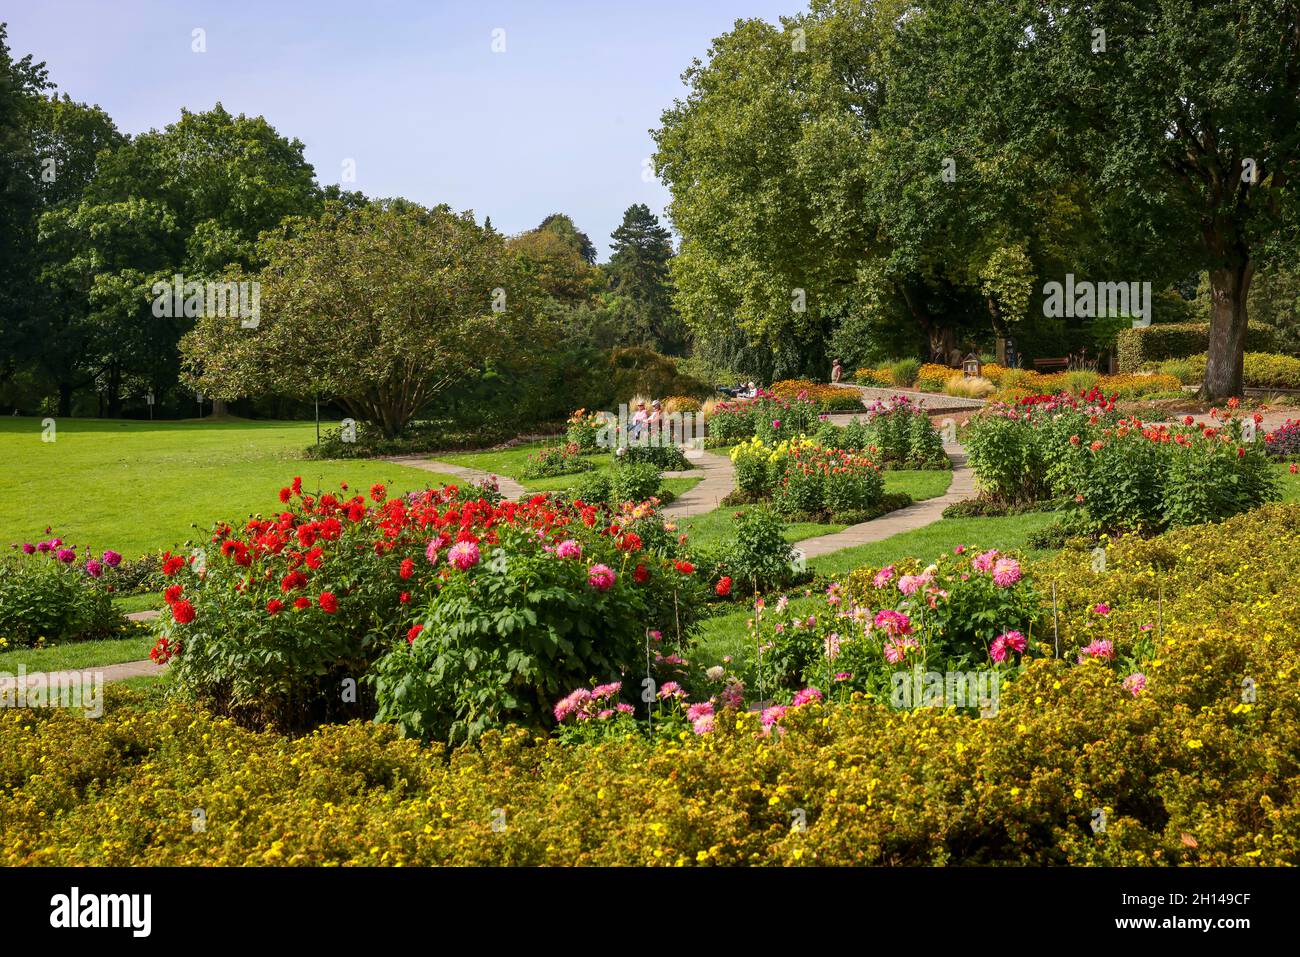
21 83
1184 118
639 272
380 309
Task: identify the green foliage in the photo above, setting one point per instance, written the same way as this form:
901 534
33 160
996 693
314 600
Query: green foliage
634 482
760 555
506 641
904 372
1147 345
555 460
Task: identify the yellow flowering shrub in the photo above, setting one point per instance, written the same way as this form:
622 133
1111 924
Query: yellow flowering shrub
1188 770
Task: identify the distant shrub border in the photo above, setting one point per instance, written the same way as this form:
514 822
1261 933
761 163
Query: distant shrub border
1146 345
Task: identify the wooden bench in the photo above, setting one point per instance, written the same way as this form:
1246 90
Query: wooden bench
1051 365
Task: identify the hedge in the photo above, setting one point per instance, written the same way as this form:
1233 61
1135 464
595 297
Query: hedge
1137 348
1189 769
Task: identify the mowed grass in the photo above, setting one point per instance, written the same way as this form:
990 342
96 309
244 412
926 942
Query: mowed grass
136 487
77 655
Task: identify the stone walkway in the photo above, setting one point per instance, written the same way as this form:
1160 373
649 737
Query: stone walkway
719 480
508 486
935 402
916 515
118 672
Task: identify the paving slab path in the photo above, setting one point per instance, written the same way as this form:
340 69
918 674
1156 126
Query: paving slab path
118 672
508 486
719 478
916 515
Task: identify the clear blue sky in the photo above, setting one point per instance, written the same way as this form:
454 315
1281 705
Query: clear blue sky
412 91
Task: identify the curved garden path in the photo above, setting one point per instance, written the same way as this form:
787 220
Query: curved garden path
917 515
508 486
719 478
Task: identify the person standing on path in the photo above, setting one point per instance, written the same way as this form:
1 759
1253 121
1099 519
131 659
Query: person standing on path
836 371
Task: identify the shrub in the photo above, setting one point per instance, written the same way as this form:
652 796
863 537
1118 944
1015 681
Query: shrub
1137 348
1148 478
583 430
760 554
555 460
899 432
680 403
502 637
637 370
49 595
876 378
1032 450
633 482
904 372
664 456
280 620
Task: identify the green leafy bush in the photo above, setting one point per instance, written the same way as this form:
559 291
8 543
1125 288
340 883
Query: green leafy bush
1147 345
634 482
760 554
555 460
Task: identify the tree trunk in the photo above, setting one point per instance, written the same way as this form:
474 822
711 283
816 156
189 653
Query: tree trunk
940 334
218 407
65 400
114 390
1227 346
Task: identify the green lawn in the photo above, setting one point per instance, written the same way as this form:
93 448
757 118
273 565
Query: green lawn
717 526
79 654
138 486
142 602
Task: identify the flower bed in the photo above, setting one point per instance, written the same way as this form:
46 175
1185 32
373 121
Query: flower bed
767 416
553 460
827 398
1179 726
49 594
1284 441
1120 472
803 478
896 432
317 613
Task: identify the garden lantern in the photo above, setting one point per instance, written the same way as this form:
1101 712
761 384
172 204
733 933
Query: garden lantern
972 366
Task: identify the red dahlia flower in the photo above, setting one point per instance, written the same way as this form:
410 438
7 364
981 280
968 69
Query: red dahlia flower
329 604
183 612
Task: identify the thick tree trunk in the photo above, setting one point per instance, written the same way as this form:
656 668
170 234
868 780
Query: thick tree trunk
65 399
942 338
218 407
1227 346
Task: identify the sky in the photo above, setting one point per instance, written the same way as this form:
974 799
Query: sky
412 92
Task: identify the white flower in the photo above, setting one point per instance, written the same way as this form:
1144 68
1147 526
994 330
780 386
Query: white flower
715 673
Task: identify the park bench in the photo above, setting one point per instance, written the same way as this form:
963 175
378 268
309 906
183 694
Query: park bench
1051 365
